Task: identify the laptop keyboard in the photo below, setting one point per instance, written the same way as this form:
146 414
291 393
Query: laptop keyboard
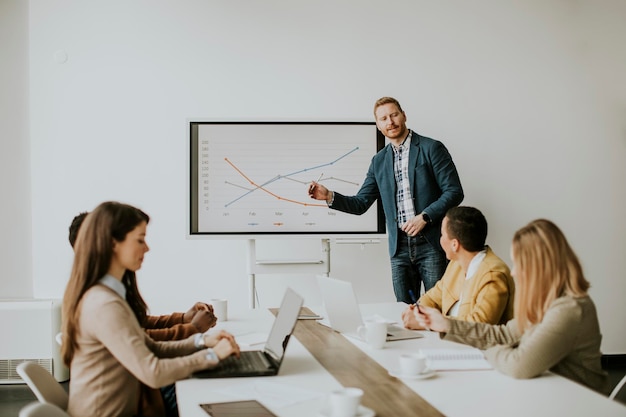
248 361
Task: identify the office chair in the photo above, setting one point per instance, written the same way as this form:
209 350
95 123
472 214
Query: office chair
43 384
617 388
38 409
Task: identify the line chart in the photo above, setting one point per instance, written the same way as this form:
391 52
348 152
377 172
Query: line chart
263 187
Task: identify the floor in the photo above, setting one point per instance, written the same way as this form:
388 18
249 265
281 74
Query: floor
14 397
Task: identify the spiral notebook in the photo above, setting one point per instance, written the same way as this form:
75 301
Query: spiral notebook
456 359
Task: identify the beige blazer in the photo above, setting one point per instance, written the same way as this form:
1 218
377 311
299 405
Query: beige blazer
114 354
567 342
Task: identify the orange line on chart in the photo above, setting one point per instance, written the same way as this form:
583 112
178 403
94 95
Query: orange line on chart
268 191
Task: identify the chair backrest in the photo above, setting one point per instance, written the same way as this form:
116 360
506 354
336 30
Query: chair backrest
38 409
618 388
42 383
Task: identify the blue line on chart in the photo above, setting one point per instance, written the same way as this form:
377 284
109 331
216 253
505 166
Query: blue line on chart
323 165
278 177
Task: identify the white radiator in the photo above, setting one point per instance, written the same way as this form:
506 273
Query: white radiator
27 329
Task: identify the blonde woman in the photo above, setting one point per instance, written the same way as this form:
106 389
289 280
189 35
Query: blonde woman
555 326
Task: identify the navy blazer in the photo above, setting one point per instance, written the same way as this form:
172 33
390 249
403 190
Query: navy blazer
435 187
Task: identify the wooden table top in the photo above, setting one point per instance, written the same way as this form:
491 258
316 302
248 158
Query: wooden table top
383 393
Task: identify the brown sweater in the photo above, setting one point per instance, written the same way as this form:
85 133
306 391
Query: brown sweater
161 328
115 355
169 327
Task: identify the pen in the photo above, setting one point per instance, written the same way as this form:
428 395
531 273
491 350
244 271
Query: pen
412 294
416 304
314 182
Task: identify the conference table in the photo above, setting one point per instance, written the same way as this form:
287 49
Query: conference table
319 360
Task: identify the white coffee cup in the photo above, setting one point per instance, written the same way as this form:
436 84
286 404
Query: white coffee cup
220 308
344 402
374 332
413 363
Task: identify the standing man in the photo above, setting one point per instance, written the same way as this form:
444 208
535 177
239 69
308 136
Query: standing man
417 181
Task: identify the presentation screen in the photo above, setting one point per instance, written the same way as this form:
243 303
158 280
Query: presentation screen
251 178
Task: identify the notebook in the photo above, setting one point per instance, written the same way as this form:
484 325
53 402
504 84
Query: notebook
343 314
264 362
455 359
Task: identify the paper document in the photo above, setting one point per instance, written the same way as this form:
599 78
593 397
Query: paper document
455 359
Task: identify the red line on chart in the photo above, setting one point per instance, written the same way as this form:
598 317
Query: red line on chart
259 187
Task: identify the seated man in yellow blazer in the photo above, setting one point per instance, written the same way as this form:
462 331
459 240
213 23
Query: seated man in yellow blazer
477 285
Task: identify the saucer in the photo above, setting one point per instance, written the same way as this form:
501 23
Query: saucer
428 373
362 411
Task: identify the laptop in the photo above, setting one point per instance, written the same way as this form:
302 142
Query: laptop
264 362
344 315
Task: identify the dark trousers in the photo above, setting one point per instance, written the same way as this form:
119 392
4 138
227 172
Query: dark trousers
169 399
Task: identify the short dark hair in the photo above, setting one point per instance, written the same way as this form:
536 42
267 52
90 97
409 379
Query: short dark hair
468 226
75 225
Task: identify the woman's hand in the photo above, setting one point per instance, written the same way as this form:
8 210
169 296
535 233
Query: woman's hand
223 339
226 347
431 319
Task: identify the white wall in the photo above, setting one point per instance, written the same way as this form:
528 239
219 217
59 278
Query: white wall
528 96
15 209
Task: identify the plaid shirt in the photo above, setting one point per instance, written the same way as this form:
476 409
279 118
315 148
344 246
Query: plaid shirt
404 202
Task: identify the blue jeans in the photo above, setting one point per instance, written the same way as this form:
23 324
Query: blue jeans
416 261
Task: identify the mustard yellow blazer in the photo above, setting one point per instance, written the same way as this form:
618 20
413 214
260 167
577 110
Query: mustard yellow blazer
487 296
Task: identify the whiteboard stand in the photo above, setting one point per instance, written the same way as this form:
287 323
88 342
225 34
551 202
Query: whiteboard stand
284 266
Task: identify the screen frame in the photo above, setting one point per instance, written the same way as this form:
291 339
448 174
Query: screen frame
371 236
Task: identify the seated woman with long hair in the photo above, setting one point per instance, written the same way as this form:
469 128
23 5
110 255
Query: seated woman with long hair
104 345
555 326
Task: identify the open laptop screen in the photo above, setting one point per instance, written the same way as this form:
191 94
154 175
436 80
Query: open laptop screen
281 329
